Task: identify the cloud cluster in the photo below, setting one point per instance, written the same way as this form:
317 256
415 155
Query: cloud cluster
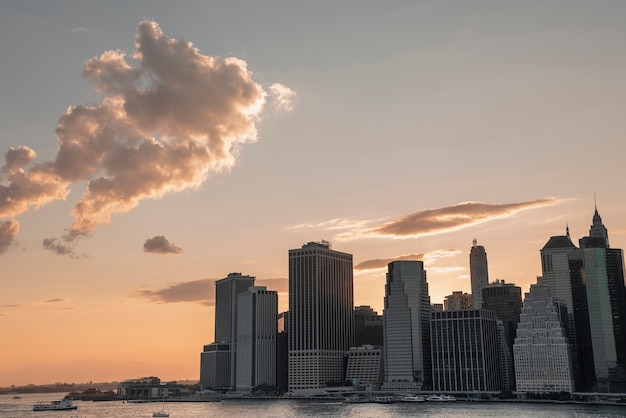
426 222
201 291
428 258
160 245
169 117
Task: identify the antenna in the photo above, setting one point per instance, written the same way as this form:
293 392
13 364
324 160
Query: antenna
474 242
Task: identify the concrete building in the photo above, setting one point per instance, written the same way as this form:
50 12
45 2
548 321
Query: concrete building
457 301
216 369
365 367
479 273
257 310
321 325
406 319
541 351
465 351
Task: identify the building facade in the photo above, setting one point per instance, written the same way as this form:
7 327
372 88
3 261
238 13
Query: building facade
542 353
257 310
479 273
457 301
368 327
465 351
321 326
406 320
365 367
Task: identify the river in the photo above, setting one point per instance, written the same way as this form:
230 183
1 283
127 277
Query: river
18 408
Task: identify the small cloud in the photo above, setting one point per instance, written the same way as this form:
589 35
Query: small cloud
18 158
463 276
58 246
11 306
81 29
282 97
379 263
8 232
160 245
55 300
333 224
201 291
445 269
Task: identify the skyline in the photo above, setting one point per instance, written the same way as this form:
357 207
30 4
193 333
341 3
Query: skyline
400 131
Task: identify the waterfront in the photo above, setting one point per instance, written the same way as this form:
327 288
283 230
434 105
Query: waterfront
18 408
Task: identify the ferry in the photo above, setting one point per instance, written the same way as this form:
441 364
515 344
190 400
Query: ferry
413 398
441 398
63 405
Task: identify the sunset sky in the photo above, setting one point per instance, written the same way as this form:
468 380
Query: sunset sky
152 147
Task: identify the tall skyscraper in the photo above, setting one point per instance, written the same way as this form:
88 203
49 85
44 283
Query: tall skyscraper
465 351
479 273
406 319
218 359
599 298
257 310
542 352
321 327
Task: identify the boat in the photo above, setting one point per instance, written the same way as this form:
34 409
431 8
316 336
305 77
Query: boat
413 398
162 413
62 405
16 397
441 398
384 399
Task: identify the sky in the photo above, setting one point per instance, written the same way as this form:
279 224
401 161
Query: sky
152 147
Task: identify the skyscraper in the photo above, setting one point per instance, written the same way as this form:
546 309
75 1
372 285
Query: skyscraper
406 319
457 301
321 326
465 351
218 359
599 298
479 273
257 309
541 351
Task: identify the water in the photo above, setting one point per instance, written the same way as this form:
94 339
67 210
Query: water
18 408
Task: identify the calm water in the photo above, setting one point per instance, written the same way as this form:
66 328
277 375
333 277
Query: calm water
242 408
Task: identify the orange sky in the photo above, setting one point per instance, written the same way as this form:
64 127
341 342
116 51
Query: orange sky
145 159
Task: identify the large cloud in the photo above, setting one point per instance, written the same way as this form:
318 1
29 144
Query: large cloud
160 245
426 222
428 258
169 117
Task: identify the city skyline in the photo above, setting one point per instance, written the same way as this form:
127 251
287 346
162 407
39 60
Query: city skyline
397 132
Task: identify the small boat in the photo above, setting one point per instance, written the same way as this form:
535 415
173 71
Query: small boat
16 397
441 398
62 405
413 398
384 399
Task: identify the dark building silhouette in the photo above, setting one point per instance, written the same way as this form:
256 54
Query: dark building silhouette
368 327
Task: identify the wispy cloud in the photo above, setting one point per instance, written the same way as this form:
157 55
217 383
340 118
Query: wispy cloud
428 258
201 291
55 300
282 97
426 222
161 245
81 29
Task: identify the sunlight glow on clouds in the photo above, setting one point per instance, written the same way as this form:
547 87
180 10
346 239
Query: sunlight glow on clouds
169 117
428 221
8 232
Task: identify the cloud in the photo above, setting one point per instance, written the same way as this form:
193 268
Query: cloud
169 117
282 97
81 29
160 245
202 291
379 263
59 246
8 232
55 300
441 220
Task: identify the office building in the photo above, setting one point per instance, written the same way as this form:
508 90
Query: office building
457 301
479 273
541 351
406 319
368 327
599 299
257 310
321 326
365 367
465 351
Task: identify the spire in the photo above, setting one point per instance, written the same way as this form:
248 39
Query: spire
598 230
567 230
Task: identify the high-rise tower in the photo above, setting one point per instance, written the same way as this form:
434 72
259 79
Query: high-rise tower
406 318
321 302
479 273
